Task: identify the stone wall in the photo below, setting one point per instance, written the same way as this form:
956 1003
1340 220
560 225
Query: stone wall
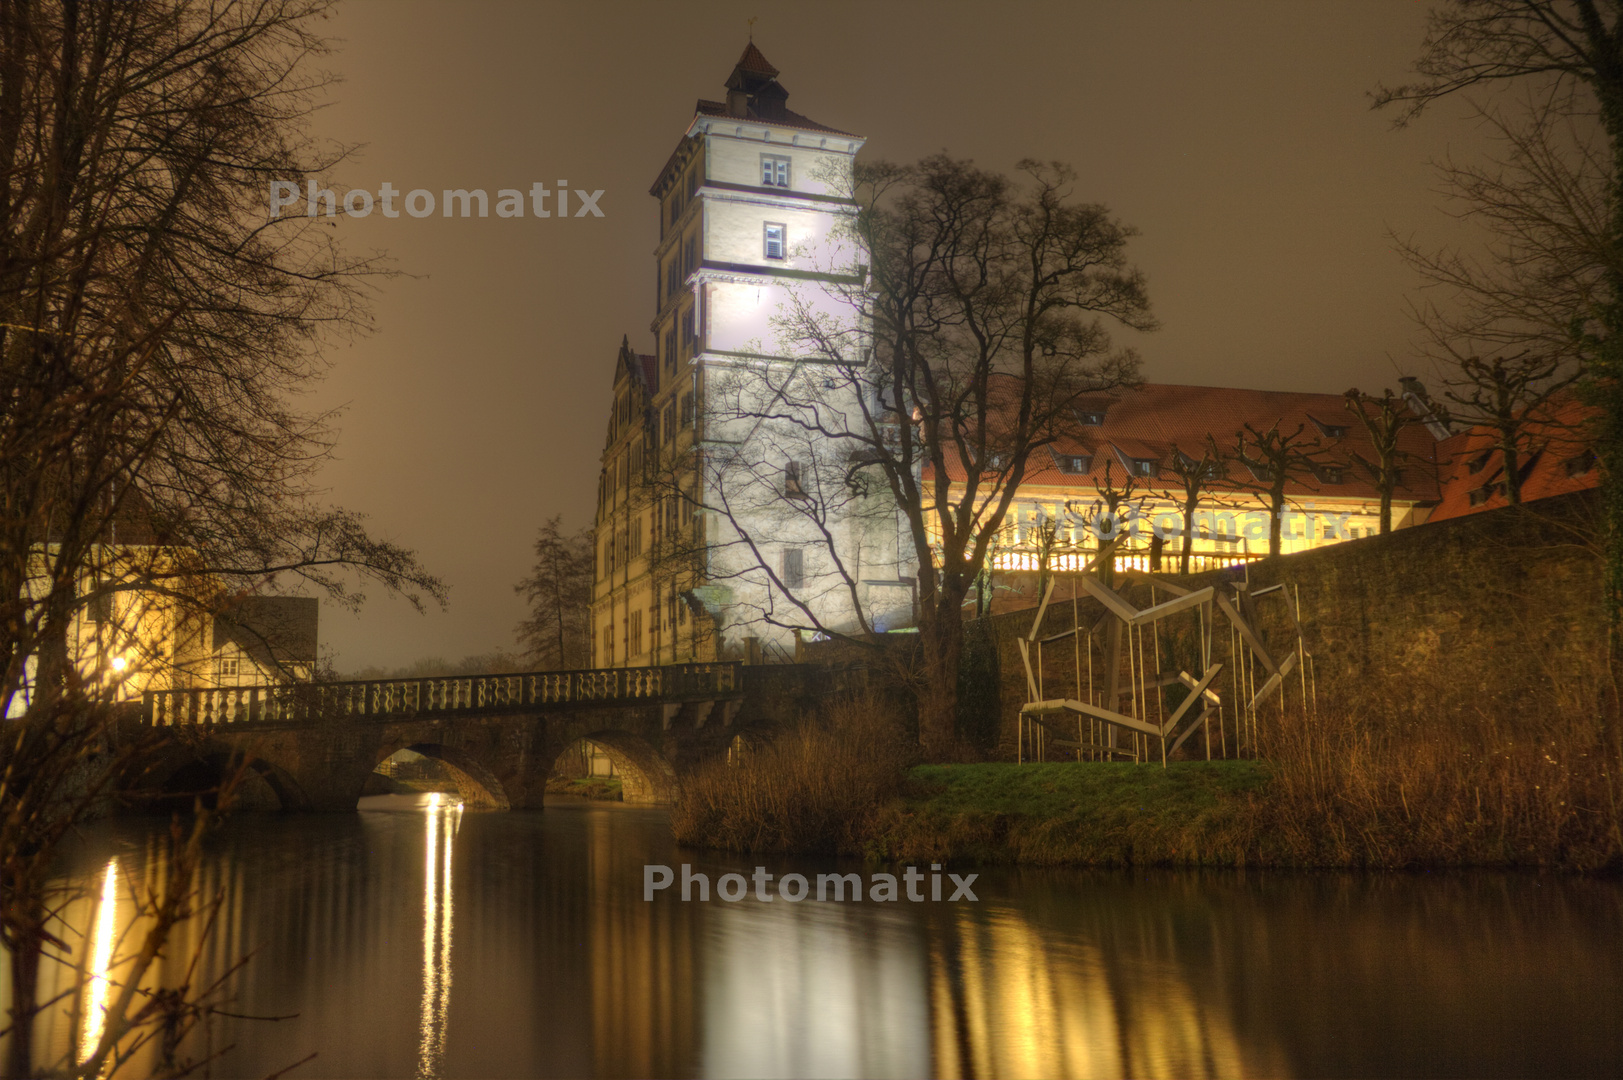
1500 612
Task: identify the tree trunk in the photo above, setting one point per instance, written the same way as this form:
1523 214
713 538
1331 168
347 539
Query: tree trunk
24 991
941 640
1513 472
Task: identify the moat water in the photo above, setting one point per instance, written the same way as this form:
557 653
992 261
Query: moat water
419 940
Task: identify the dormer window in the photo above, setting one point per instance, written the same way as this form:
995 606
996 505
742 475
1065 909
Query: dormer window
1331 474
1073 463
1187 464
775 244
1142 466
1580 465
1090 417
774 171
1329 431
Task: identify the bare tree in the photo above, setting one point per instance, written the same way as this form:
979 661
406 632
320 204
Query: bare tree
1513 396
556 635
1570 53
1520 322
1110 512
1275 458
919 394
1384 419
1195 478
154 327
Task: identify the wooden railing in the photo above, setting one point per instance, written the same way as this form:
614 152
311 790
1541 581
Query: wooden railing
448 695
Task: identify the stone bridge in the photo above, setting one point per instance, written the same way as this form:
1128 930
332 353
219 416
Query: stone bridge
312 746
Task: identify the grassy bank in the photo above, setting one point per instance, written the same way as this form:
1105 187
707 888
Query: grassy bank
602 788
1067 815
1344 790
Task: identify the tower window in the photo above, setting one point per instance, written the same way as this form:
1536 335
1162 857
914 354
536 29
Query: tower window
792 486
774 170
774 247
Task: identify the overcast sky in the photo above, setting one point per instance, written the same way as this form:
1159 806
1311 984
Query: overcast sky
1236 136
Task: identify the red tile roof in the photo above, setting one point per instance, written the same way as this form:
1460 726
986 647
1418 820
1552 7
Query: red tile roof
753 62
790 118
1558 460
1157 420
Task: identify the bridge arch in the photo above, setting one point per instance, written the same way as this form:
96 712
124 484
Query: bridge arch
476 784
646 775
174 780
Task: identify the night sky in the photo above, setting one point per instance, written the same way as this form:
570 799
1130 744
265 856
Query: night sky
1236 136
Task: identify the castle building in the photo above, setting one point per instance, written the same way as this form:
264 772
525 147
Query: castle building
704 546
733 518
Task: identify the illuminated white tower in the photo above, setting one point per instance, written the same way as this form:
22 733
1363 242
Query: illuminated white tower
751 204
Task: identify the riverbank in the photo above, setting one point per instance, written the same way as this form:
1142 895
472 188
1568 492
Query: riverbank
1095 814
1273 814
598 788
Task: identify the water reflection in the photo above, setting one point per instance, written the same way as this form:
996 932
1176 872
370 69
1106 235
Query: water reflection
1010 999
443 817
563 970
101 960
815 990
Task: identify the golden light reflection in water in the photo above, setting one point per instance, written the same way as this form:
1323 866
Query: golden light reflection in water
1008 1001
101 958
443 819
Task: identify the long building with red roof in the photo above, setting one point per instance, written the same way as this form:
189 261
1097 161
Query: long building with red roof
1140 434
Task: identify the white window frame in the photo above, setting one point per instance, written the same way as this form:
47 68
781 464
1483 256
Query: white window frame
782 240
776 171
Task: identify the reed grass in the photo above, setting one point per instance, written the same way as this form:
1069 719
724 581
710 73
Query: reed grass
1376 787
1368 787
813 788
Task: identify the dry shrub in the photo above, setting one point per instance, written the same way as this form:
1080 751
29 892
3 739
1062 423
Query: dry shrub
813 788
1365 786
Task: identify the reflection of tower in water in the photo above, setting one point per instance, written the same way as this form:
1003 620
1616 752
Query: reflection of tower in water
642 963
443 819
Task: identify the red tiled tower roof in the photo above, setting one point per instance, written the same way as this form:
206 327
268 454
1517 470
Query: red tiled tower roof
753 62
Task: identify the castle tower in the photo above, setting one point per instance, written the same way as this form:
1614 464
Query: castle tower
750 207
